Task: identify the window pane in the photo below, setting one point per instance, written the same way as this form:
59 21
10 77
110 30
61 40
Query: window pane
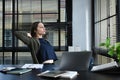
62 10
52 36
97 10
8 31
8 6
112 7
8 38
97 34
24 5
8 58
49 6
29 5
50 10
50 17
62 17
24 57
36 17
103 31
100 32
103 9
63 39
35 6
113 29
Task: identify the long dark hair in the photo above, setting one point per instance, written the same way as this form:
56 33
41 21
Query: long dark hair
34 28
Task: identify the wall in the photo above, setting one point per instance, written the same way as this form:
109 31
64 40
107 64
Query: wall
82 24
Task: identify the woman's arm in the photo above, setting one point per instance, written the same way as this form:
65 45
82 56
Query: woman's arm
23 36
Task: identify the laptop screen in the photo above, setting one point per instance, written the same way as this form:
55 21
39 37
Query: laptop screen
75 60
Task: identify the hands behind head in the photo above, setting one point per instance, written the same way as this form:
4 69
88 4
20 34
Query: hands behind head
29 35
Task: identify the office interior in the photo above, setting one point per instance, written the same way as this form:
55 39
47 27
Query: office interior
77 23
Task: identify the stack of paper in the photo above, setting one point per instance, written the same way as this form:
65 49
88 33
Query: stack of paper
33 66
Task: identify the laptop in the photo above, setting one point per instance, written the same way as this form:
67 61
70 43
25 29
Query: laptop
75 61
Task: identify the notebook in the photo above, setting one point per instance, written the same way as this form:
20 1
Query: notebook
52 74
111 67
106 66
75 61
14 70
58 74
18 71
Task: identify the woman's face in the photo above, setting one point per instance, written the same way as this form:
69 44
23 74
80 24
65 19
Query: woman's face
40 29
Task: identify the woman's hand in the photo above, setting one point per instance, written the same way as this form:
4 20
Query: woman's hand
29 35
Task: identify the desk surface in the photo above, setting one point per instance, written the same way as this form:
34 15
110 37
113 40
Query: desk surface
83 75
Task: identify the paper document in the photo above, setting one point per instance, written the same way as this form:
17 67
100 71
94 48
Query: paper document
69 74
33 66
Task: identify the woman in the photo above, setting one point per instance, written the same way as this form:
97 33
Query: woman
41 50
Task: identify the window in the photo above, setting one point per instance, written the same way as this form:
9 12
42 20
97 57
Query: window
20 14
105 24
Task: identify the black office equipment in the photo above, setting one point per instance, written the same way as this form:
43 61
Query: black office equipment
75 61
